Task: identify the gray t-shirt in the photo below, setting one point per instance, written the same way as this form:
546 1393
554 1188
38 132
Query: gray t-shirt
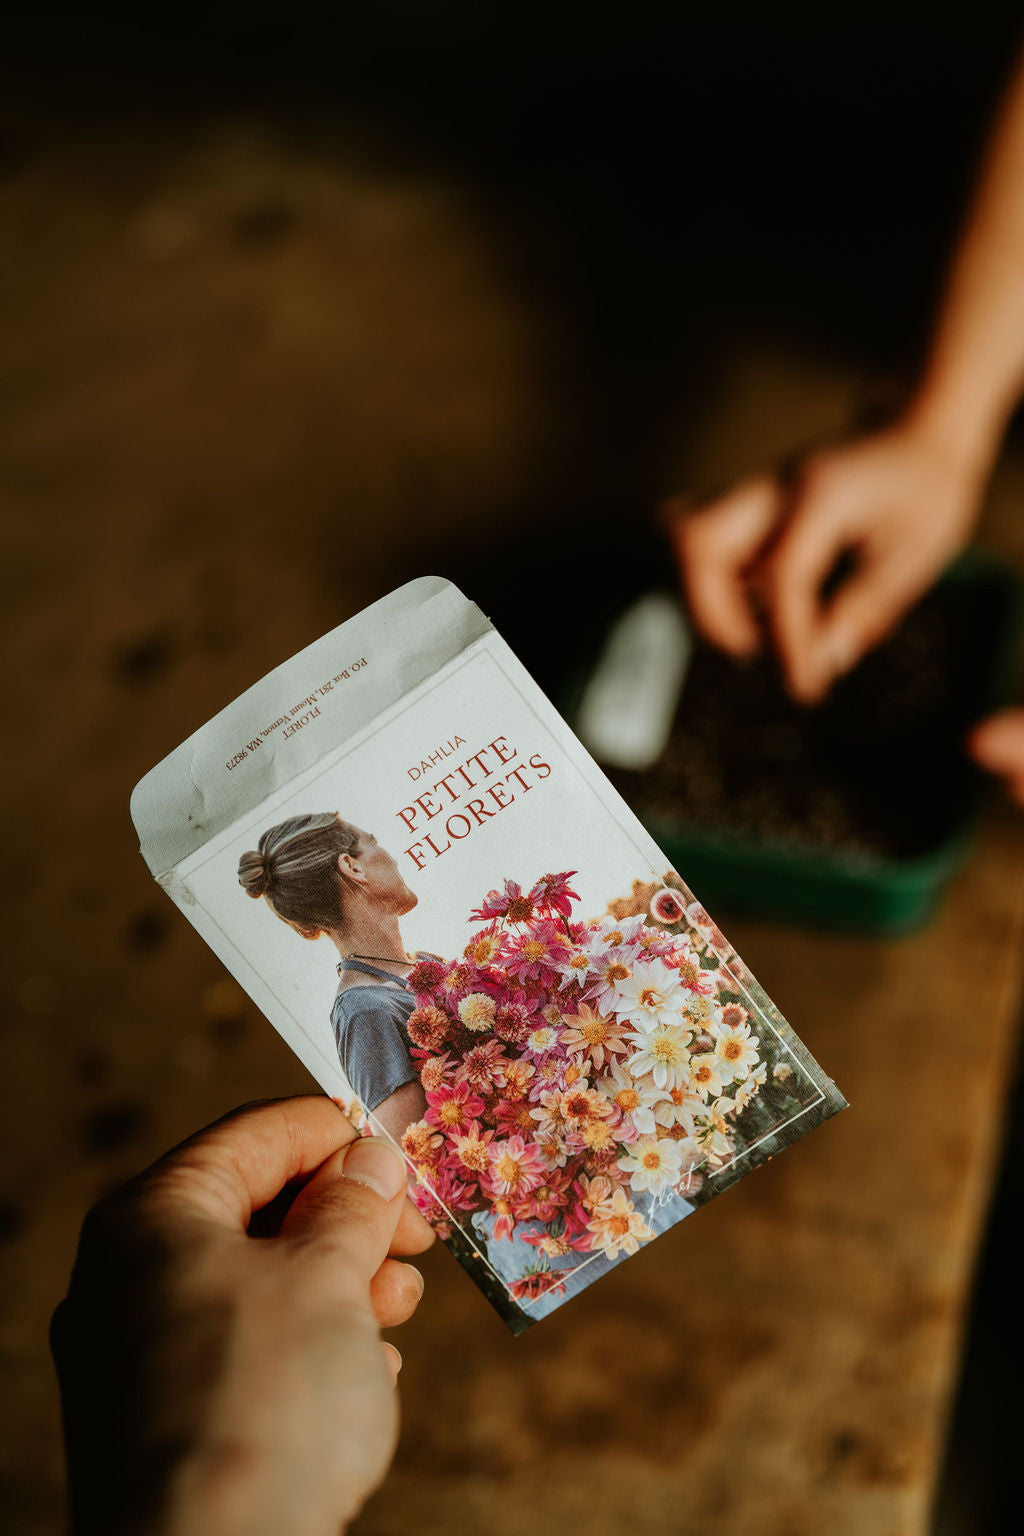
373 1043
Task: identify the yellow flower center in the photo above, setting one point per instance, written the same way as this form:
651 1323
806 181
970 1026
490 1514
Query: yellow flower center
508 1170
702 1074
615 937
555 1247
571 1074
579 962
616 972
483 950
593 1031
533 949
627 1100
664 1048
520 909
651 1159
732 1050
689 972
597 1135
474 1156
649 998
451 1113
618 1226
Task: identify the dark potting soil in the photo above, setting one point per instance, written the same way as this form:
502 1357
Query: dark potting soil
879 769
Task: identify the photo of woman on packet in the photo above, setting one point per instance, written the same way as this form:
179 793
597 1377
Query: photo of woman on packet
326 878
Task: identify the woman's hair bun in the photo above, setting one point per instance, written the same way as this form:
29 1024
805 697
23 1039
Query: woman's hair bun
253 874
295 866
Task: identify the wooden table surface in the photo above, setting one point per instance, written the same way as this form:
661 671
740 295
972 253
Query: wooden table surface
212 448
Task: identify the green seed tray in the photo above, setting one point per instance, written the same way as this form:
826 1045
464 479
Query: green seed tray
825 886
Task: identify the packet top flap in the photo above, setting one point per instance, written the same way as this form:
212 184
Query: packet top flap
235 760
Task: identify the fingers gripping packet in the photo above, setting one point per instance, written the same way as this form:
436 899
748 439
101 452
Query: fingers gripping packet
413 867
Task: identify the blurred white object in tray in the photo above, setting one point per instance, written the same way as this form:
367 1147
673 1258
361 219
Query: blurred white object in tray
628 706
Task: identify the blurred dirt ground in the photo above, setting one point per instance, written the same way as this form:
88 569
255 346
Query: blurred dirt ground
245 387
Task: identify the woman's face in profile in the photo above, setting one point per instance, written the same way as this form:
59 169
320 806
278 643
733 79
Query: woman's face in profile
383 878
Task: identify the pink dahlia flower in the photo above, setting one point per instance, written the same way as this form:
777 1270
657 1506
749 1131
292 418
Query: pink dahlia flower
509 903
540 946
426 976
513 1077
592 1035
581 1103
421 1143
484 948
453 1108
479 1067
514 1117
504 1221
515 1015
452 1191
536 1283
457 979
553 893
434 1072
430 1207
471 1150
516 1167
545 1201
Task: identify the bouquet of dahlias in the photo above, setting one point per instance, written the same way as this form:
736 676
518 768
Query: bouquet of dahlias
577 1074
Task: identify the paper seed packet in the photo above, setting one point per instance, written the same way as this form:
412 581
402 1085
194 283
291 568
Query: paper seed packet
413 867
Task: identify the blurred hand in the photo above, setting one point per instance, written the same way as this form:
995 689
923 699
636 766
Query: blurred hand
897 502
997 744
216 1381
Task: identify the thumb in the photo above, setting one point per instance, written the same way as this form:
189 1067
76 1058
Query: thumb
351 1207
716 545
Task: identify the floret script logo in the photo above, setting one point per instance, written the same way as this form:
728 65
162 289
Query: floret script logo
478 789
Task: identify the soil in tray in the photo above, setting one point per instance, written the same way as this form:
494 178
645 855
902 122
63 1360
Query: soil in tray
879 769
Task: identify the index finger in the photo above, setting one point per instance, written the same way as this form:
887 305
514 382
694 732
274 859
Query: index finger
716 545
240 1163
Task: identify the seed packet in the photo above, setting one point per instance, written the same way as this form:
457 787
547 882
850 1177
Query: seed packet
411 864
